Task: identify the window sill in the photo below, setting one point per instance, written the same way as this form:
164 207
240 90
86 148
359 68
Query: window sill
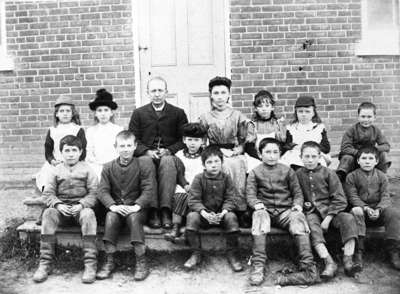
379 43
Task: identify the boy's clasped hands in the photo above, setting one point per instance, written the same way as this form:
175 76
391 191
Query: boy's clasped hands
212 217
373 214
124 210
69 210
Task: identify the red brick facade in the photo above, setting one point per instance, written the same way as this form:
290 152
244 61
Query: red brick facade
288 47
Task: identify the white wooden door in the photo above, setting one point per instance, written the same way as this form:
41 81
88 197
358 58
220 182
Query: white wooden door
184 42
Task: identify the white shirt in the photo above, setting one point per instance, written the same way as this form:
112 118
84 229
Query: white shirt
193 166
100 142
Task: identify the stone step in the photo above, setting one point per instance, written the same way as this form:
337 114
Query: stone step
211 240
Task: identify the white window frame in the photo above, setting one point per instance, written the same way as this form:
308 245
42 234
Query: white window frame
379 42
6 62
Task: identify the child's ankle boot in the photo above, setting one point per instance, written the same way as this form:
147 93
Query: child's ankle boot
330 268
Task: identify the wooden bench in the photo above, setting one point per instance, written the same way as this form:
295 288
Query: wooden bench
212 239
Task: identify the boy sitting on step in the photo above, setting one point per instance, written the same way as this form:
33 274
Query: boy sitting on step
71 195
274 193
325 205
211 203
126 189
371 205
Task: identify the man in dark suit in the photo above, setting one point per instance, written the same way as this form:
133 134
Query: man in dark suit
158 130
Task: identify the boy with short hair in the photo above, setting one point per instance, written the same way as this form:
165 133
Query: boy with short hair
274 193
212 203
188 165
71 195
368 195
364 133
126 190
325 203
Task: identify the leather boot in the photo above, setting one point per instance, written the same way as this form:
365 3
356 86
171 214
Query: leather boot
89 259
194 242
330 268
358 255
175 233
141 268
107 268
166 218
232 245
256 276
393 249
304 250
307 275
154 219
46 261
308 272
348 265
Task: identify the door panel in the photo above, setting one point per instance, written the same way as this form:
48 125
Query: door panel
184 42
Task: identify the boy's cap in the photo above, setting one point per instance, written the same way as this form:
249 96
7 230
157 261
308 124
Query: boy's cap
103 98
305 101
194 130
64 99
217 81
264 93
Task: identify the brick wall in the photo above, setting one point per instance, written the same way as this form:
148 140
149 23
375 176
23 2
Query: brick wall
76 47
62 47
269 51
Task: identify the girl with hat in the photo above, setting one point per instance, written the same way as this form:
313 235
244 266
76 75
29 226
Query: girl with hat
101 137
306 126
264 124
66 122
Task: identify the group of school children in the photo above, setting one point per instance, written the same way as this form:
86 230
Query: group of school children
287 185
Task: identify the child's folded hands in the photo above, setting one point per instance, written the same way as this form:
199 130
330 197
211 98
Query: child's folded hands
64 209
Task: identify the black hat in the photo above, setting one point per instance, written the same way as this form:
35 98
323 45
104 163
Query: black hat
218 81
194 130
103 98
305 101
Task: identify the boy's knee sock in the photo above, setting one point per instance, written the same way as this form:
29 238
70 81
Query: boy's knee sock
349 247
140 249
322 251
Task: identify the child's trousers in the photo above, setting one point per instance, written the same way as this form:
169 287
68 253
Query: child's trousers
52 218
389 217
343 221
194 221
293 221
114 222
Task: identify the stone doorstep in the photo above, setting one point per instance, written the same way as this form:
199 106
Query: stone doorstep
211 240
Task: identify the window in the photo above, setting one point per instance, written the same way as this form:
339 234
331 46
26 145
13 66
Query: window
379 28
6 63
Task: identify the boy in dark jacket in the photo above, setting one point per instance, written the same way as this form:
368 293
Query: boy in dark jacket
368 195
325 203
126 190
273 191
71 195
363 134
211 202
